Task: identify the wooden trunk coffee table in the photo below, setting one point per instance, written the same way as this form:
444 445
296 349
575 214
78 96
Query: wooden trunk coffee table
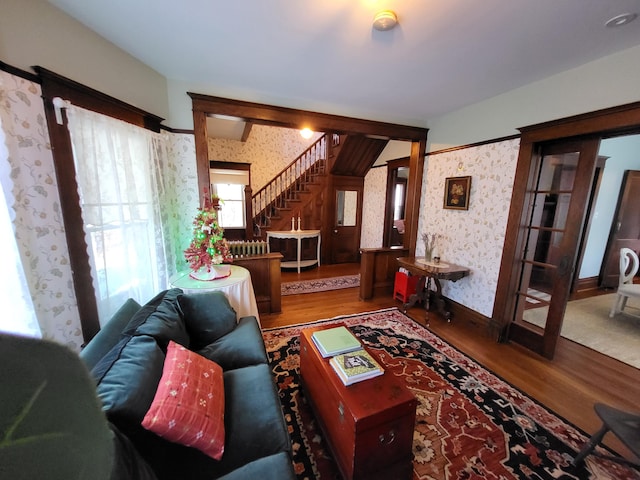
368 425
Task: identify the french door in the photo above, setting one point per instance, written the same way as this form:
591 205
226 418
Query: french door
557 192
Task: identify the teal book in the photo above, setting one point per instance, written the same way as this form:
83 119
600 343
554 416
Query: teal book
335 341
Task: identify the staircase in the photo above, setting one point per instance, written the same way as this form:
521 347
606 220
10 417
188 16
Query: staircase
300 189
282 199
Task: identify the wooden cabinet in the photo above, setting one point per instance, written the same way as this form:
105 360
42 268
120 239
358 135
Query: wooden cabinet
368 425
266 279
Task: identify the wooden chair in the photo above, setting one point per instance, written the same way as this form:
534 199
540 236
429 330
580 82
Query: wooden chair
624 425
626 287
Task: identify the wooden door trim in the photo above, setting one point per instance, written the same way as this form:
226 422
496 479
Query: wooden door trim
55 85
608 122
611 260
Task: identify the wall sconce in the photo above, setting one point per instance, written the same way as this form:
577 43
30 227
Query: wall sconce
306 133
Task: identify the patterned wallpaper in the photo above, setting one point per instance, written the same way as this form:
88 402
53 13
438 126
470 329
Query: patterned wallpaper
268 149
39 226
374 201
39 230
473 238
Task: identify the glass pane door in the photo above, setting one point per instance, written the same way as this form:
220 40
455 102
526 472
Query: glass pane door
548 208
559 185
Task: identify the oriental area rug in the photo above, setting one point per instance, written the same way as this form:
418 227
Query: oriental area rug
470 424
320 284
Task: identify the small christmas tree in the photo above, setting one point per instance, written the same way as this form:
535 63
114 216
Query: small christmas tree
208 246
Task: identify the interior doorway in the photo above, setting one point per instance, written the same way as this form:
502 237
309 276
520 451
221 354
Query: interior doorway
396 201
625 228
612 221
616 159
558 188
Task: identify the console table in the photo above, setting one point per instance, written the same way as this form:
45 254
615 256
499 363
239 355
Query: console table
237 287
431 272
297 235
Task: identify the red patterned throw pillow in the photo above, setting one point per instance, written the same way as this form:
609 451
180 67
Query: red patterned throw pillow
188 407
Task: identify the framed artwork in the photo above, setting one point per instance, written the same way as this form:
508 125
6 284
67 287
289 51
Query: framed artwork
456 193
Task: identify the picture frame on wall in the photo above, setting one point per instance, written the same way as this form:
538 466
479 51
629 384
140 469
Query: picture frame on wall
456 193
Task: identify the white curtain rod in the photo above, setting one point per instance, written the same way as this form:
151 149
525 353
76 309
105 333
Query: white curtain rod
58 105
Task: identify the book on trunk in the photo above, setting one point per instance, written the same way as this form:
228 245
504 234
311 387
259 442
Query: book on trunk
335 341
355 366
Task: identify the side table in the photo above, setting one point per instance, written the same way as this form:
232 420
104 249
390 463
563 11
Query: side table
429 272
237 287
297 235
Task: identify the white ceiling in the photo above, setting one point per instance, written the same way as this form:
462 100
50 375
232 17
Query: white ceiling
323 55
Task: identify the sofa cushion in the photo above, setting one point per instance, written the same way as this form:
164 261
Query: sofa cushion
254 428
188 407
128 378
254 423
207 316
241 347
162 319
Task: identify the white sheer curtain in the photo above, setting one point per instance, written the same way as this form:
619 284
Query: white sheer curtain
18 315
120 184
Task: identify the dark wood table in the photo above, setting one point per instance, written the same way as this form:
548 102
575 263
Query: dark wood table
431 272
368 425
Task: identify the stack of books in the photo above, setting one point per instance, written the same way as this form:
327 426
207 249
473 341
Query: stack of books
351 362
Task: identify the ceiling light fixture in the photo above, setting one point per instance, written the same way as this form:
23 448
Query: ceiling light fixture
306 133
385 20
620 20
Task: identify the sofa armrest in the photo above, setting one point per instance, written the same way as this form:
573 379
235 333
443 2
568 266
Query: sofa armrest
109 334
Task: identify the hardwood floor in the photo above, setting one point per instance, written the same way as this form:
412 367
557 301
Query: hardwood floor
569 385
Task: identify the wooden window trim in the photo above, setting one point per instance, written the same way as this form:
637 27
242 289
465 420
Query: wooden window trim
54 85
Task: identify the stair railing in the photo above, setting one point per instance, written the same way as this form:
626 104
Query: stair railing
285 185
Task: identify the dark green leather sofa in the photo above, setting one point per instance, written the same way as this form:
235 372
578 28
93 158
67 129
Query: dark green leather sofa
126 359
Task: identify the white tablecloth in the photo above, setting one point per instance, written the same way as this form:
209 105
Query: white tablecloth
237 287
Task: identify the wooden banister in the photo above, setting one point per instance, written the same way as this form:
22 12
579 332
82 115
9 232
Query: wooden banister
286 185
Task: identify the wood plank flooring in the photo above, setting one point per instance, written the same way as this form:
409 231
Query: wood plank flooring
569 385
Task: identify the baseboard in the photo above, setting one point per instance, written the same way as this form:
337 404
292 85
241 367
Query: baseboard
589 283
460 313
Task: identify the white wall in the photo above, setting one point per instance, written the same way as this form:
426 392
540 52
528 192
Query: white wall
34 32
606 82
624 154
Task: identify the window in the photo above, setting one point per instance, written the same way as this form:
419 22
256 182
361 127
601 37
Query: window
228 181
231 214
117 169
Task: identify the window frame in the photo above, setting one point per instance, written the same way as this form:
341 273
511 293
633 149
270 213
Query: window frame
246 232
54 85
